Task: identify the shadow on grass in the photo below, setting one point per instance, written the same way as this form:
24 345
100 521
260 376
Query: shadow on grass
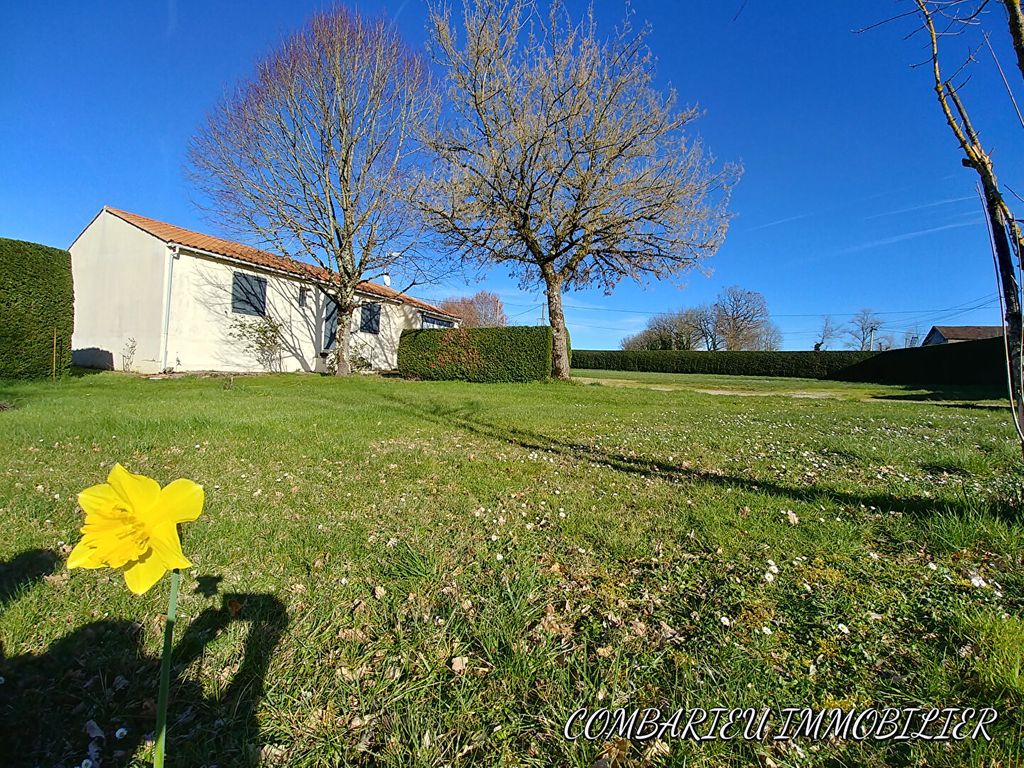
24 570
953 396
465 417
92 693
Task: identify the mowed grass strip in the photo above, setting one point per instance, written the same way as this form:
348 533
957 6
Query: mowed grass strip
394 573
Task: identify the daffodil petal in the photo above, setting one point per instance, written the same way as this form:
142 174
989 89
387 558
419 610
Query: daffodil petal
116 550
138 492
141 575
167 546
181 501
83 555
98 501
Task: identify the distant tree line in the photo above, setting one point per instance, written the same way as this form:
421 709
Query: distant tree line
737 320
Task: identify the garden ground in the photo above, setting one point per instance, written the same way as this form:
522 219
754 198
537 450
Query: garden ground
396 573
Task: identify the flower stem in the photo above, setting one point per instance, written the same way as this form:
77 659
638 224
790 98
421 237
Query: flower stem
165 673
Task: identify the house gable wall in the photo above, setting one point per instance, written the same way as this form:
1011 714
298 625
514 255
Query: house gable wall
119 295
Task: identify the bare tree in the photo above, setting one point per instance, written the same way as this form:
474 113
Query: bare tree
481 310
687 334
313 155
561 161
706 317
769 337
741 317
862 329
670 330
647 339
829 332
884 342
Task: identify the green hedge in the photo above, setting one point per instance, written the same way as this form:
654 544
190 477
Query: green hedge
969 362
807 365
36 301
515 353
966 362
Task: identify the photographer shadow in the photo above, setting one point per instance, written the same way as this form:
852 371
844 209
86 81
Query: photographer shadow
92 693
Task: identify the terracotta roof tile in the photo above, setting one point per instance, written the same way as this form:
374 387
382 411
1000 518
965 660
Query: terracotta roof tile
190 239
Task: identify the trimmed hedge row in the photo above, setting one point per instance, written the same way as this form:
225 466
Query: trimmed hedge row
965 362
806 365
36 302
969 362
515 353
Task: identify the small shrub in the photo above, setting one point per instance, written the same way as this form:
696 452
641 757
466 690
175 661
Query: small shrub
514 353
128 355
260 337
36 307
358 357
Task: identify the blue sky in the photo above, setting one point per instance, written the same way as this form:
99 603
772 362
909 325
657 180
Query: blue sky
853 195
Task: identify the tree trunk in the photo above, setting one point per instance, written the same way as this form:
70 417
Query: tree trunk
341 342
1015 17
560 345
1011 296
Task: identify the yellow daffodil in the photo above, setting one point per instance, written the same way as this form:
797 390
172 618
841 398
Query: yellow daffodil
131 523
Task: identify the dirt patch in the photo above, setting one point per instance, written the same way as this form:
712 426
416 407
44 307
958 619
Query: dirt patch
634 384
748 393
630 384
737 392
5 406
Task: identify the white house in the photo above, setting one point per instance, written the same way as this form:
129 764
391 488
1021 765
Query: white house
151 296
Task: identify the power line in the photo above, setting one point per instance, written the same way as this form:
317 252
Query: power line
533 308
805 314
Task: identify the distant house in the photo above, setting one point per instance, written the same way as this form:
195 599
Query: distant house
151 296
951 334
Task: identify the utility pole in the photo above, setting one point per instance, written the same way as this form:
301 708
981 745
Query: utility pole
871 341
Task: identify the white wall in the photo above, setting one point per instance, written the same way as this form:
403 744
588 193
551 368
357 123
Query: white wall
119 294
202 320
381 349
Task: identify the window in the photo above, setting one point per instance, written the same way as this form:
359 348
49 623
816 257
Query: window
303 296
369 318
436 322
248 294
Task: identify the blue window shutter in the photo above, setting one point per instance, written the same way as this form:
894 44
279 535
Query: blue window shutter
369 319
248 294
331 324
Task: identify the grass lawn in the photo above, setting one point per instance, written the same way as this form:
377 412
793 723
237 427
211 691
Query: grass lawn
790 387
393 573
